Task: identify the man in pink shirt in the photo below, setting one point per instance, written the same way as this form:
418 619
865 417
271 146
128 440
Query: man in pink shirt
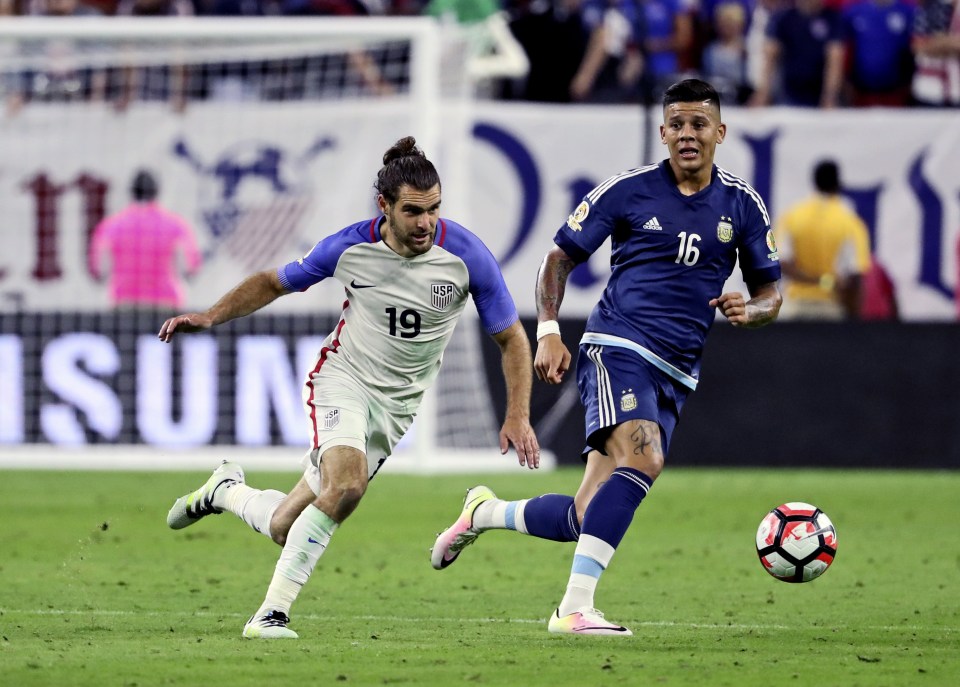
143 241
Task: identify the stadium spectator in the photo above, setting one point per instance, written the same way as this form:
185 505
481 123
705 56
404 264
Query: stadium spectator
554 38
408 275
359 70
804 52
238 8
824 252
168 83
879 301
936 47
640 355
879 57
64 79
493 52
759 20
725 57
667 30
144 242
612 64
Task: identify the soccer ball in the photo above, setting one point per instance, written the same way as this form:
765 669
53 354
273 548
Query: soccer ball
796 542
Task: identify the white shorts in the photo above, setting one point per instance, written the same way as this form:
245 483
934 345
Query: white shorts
341 412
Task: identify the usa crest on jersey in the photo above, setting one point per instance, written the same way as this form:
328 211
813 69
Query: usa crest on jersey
441 295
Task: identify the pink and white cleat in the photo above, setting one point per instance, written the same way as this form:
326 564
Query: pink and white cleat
586 621
460 534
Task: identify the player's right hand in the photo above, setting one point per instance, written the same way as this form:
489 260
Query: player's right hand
553 359
194 322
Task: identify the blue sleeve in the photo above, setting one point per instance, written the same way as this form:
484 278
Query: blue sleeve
321 261
490 294
757 252
589 225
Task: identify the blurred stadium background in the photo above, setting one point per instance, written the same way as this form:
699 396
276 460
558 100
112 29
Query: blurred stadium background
266 135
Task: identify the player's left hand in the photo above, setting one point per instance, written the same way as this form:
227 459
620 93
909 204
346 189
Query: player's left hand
194 322
519 433
733 306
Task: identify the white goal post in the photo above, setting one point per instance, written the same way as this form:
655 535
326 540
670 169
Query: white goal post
276 123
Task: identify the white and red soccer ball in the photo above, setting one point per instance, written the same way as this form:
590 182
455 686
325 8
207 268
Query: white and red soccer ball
796 542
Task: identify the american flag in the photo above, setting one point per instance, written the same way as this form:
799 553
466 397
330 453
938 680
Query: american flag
260 234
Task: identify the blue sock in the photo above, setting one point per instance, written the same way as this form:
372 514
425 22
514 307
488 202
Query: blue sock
552 516
606 521
611 510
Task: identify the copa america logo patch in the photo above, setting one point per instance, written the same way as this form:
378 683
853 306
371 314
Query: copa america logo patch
331 418
580 214
441 295
772 245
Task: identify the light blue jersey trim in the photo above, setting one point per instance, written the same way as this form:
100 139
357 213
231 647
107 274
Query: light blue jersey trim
650 357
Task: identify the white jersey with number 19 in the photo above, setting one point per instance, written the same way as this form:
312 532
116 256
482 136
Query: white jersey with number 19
400 312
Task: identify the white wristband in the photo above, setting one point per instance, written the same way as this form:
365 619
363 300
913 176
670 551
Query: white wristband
548 327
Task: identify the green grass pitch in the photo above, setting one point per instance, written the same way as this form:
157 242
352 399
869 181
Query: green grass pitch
97 591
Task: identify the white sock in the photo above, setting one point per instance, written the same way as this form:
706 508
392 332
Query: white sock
493 515
580 591
306 542
590 559
254 506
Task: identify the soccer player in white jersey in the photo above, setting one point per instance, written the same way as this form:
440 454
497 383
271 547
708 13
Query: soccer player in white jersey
407 274
677 229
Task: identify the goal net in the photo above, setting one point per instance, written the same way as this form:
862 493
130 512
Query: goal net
263 136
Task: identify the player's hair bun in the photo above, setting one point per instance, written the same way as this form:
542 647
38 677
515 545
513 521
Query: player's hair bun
405 147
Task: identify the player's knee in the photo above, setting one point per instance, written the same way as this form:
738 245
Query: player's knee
351 494
345 497
653 466
279 528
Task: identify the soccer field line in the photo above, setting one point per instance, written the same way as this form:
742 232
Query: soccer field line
521 621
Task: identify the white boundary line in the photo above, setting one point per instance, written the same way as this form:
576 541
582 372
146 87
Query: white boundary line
492 621
275 459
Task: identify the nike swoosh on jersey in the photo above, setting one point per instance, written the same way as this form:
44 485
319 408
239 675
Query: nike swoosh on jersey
355 285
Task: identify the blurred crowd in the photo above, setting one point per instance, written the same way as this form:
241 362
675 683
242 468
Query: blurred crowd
807 53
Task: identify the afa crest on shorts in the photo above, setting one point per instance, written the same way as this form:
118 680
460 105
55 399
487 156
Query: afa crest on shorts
441 295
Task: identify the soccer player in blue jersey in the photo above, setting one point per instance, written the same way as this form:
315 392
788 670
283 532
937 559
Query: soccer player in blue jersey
408 274
677 229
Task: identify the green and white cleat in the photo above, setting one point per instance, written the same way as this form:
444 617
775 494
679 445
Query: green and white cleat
271 625
199 504
460 534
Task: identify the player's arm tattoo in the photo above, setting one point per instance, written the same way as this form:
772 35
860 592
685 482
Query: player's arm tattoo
552 283
764 304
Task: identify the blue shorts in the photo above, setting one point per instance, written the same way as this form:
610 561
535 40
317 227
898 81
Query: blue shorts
617 385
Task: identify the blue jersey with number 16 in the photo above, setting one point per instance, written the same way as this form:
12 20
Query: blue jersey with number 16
671 254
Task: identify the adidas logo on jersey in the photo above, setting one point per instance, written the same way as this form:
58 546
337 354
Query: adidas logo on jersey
652 225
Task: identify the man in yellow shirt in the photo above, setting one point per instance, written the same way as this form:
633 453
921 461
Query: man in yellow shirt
824 252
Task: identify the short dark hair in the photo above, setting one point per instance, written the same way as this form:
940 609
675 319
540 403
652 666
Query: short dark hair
826 176
691 91
144 186
405 164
